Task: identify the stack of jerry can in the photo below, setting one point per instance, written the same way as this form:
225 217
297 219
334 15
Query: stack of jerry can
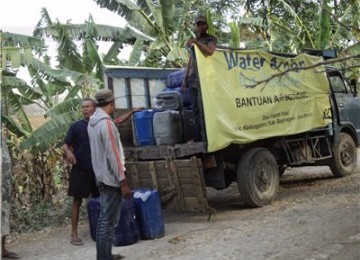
141 217
174 121
167 121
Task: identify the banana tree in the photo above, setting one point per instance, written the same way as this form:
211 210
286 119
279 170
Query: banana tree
167 23
78 74
45 85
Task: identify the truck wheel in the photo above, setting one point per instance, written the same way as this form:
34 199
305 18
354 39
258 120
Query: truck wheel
258 177
344 158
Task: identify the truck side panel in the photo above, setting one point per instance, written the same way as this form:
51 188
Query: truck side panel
179 182
135 86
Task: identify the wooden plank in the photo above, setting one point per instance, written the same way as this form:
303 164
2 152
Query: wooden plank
172 171
180 182
158 152
135 182
193 188
153 176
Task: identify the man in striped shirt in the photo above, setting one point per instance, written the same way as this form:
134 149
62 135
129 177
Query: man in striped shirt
108 160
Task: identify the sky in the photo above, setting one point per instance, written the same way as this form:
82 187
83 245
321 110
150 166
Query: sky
21 16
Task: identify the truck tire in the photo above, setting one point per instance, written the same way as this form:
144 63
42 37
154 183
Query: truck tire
258 177
344 158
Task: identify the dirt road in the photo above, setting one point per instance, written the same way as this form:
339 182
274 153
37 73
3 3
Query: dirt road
315 216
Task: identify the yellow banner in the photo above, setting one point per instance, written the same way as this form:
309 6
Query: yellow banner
246 99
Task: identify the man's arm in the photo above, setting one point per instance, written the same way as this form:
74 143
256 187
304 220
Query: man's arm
123 118
206 49
184 83
125 190
114 153
70 157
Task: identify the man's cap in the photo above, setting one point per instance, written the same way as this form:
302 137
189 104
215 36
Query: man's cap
104 96
200 18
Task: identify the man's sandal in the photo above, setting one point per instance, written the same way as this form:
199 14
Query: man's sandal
10 255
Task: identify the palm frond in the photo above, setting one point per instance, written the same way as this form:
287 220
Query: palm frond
110 57
344 33
323 35
254 21
44 21
137 14
178 55
63 75
23 41
15 109
9 82
136 53
64 107
73 92
104 32
168 12
298 21
235 35
53 130
90 56
12 126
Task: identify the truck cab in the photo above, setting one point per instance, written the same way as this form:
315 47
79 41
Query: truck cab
347 104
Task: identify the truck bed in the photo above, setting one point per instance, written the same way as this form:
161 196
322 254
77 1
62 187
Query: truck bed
173 170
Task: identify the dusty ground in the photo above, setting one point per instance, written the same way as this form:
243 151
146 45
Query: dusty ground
315 216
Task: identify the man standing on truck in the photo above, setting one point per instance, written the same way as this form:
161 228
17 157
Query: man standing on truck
207 45
108 160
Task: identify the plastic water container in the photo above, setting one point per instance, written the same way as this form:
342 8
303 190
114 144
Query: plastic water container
185 96
93 209
188 125
149 213
143 127
126 232
175 79
167 127
168 100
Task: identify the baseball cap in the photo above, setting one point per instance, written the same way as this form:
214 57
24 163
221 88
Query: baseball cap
200 18
104 96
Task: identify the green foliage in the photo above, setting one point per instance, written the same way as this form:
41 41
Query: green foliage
136 53
38 197
235 35
42 215
53 130
323 36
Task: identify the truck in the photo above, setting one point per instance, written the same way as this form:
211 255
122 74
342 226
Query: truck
261 113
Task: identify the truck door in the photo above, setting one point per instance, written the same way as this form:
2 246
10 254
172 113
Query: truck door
348 105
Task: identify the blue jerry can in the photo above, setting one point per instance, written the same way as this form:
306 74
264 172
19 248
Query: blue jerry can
149 213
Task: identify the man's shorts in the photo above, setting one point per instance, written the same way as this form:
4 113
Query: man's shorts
82 183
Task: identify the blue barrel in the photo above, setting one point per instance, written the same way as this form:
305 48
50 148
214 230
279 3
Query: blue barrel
149 213
143 127
126 231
